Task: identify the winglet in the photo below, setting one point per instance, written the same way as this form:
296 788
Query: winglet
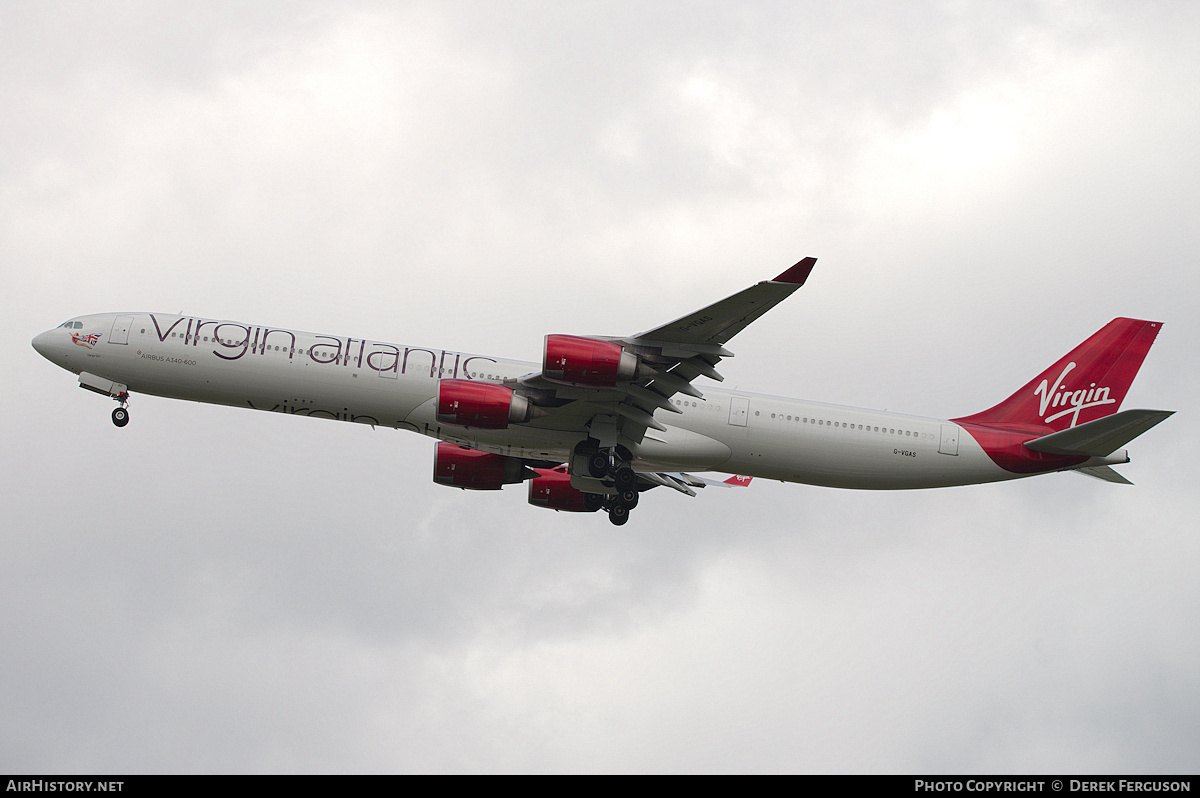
798 273
738 481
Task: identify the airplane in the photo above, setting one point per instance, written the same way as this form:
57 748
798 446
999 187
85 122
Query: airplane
603 419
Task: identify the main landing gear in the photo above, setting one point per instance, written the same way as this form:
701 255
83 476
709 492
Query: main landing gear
613 466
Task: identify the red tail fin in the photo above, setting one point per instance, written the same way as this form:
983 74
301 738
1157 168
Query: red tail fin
1087 383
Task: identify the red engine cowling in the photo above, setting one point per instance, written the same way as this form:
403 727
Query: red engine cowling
573 360
553 491
466 468
467 403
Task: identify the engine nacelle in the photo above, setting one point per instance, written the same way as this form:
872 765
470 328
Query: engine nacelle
466 468
467 403
572 360
553 491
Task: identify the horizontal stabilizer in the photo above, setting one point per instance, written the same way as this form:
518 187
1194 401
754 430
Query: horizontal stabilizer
1105 473
1100 437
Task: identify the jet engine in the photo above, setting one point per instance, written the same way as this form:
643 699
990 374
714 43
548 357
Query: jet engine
589 362
553 491
466 468
467 403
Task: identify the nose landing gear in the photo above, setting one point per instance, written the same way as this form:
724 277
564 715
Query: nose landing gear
120 416
115 390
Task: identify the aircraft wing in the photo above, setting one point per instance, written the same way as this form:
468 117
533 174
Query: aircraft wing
709 327
684 483
670 357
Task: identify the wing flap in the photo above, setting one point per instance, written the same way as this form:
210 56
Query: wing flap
668 481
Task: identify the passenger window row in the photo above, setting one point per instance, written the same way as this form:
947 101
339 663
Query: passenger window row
843 425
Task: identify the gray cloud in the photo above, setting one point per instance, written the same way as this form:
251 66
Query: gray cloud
214 590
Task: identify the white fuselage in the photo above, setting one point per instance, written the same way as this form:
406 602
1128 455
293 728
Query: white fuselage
370 382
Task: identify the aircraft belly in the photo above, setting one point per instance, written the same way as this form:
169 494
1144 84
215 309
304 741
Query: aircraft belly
835 464
678 449
883 465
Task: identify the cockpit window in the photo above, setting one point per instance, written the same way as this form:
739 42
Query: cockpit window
69 325
78 325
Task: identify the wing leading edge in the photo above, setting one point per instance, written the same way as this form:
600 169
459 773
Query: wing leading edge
716 324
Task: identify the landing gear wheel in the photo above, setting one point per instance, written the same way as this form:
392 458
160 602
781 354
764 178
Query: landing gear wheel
597 464
593 501
625 478
628 498
120 416
618 514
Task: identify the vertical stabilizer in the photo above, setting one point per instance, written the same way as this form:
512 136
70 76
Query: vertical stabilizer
1087 383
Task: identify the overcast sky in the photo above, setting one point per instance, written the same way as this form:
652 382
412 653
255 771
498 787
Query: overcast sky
212 590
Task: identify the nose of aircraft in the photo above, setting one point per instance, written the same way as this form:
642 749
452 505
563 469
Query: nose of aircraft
42 343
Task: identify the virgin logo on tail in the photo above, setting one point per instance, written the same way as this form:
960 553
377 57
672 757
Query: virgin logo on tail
1074 401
